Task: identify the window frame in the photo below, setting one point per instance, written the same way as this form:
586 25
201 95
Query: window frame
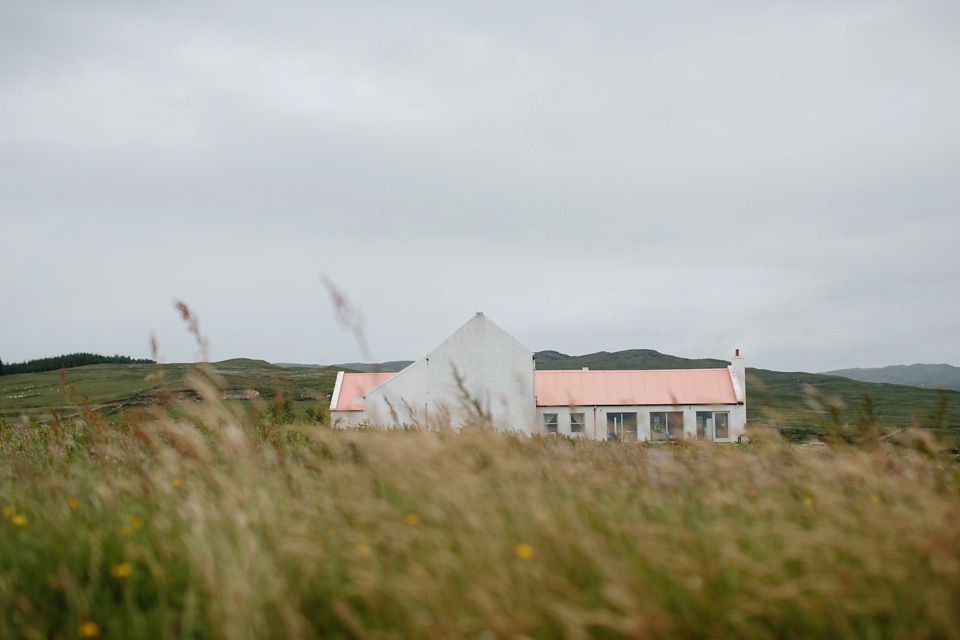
654 435
631 418
711 434
580 423
726 426
554 422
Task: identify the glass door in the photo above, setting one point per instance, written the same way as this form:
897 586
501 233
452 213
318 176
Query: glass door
704 425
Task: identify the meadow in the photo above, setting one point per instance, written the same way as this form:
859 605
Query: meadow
227 520
114 389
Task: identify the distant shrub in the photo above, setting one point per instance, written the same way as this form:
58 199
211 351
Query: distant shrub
66 362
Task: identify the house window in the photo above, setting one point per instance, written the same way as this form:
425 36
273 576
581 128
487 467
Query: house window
675 424
623 426
721 424
658 426
666 425
713 425
704 425
576 423
550 422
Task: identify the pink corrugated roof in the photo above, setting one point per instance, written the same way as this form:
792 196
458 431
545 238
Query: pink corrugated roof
355 386
666 387
584 388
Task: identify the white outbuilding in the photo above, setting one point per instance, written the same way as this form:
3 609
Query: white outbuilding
482 374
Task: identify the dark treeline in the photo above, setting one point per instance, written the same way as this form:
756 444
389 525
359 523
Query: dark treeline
67 361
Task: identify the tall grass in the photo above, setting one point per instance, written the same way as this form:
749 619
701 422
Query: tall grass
218 523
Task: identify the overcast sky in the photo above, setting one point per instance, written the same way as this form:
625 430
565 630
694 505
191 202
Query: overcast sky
782 177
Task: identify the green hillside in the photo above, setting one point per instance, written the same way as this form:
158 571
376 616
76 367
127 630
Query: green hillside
392 366
798 403
117 386
629 359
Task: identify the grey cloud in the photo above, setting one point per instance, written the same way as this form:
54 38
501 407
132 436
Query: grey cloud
691 177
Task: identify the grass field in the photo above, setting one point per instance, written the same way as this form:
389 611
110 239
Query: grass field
218 522
798 404
125 386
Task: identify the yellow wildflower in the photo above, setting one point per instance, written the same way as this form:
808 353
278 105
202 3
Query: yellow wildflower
20 520
874 497
362 550
523 551
135 522
74 503
176 482
89 630
121 570
808 501
412 519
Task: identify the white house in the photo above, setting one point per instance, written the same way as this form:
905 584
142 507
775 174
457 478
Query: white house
483 374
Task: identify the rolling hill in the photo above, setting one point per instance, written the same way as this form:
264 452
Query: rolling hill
629 359
927 376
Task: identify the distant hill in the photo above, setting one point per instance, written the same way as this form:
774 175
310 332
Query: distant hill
629 359
927 376
386 367
248 363
358 367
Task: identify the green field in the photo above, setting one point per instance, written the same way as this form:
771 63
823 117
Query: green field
212 521
798 404
116 387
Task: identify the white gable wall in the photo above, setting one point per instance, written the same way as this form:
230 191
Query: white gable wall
480 369
403 399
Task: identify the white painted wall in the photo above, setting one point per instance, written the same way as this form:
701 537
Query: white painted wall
495 371
403 399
